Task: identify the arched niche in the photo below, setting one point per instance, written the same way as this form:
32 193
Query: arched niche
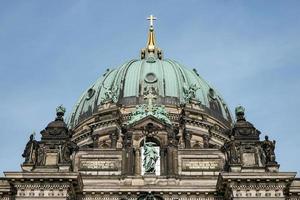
153 139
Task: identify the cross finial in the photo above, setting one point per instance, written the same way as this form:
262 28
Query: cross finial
151 49
151 18
150 97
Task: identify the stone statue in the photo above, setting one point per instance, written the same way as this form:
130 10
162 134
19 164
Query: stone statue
110 94
150 109
66 150
30 151
161 114
268 150
232 151
139 113
190 92
140 110
150 157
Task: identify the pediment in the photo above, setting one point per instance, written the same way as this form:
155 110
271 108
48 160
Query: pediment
142 123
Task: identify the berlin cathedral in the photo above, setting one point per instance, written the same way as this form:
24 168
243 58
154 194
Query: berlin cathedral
150 129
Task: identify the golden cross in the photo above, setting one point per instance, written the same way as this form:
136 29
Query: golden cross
151 18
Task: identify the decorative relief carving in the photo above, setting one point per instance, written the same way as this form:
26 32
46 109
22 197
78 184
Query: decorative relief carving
151 109
232 151
249 159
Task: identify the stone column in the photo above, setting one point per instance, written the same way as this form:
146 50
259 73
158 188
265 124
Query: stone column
138 161
175 161
163 163
124 162
170 167
130 161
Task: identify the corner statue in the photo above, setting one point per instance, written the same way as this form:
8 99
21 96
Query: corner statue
30 151
150 157
269 148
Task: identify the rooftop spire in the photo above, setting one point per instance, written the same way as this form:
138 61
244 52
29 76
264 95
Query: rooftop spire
151 36
151 50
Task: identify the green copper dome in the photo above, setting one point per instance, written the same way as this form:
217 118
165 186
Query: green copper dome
171 82
126 85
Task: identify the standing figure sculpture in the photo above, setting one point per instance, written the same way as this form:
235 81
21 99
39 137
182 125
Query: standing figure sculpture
30 151
66 150
231 149
268 149
190 92
150 157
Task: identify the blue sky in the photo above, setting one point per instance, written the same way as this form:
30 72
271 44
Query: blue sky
51 51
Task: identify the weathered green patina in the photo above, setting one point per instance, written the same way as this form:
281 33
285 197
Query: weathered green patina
157 111
142 111
190 92
170 78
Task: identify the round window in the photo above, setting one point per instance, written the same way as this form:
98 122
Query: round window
90 93
150 78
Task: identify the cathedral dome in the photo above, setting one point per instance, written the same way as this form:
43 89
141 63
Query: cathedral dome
172 83
126 85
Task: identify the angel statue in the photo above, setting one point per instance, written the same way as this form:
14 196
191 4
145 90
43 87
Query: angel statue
150 157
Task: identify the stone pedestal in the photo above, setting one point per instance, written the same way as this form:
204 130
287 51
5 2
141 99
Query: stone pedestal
64 167
235 167
149 174
272 167
27 167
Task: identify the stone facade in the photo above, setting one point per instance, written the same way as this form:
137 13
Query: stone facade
104 161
